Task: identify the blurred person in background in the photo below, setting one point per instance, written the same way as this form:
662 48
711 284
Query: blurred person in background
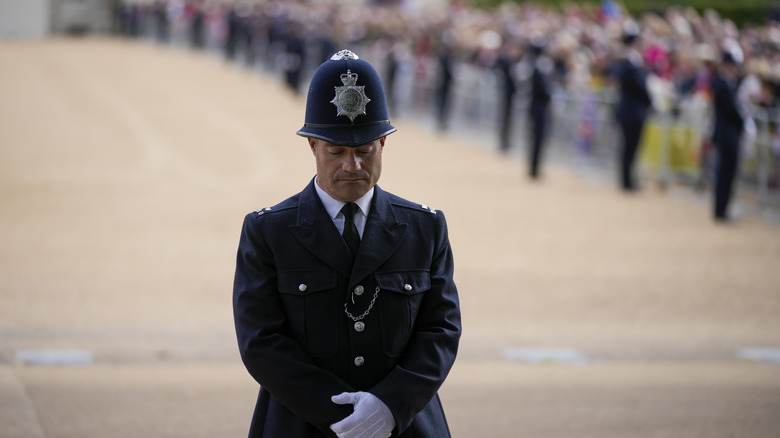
446 71
345 307
539 107
236 31
703 102
751 94
632 105
729 123
294 55
392 66
161 19
505 66
196 16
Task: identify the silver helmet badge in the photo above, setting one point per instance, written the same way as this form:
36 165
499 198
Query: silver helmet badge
350 98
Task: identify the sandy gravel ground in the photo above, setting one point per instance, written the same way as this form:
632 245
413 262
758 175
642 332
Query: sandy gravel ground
125 172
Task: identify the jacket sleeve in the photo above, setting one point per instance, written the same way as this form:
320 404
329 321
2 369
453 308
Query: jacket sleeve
431 352
268 351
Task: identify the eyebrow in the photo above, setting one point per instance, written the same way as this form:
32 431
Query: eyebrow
364 147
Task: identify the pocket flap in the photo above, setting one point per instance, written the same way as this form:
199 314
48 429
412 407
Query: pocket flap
406 282
306 282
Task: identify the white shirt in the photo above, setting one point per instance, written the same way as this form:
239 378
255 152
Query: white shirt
334 206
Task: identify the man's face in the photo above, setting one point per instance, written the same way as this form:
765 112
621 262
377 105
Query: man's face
347 173
731 69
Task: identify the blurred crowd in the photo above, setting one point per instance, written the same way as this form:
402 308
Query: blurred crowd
443 46
678 46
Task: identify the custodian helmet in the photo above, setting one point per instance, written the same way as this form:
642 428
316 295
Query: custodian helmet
731 52
631 32
346 103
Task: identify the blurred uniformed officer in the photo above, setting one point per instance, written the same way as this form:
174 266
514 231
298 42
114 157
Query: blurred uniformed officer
729 123
539 107
505 66
633 103
345 307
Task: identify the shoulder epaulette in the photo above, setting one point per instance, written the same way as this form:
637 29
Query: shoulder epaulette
287 204
401 202
418 207
429 209
263 211
276 208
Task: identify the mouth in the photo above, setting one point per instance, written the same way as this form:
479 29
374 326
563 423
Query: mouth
351 179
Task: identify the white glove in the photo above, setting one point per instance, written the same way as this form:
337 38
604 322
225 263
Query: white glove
371 418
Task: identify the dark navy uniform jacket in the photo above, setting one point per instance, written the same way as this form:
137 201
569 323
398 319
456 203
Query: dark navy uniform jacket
634 97
728 120
540 93
294 276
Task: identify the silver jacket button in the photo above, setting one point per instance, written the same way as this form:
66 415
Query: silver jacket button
408 286
302 287
358 290
360 326
359 361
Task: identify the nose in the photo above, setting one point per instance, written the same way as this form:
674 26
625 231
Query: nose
351 162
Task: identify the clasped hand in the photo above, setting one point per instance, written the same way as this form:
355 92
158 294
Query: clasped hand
371 418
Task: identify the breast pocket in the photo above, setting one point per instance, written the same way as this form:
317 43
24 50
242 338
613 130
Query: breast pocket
402 293
312 307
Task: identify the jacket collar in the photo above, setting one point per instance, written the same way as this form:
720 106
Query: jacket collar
316 231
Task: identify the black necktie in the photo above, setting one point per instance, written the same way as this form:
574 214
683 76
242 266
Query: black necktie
350 233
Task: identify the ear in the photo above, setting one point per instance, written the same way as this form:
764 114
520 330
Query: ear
382 141
312 143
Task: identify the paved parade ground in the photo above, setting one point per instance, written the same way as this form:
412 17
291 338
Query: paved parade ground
125 173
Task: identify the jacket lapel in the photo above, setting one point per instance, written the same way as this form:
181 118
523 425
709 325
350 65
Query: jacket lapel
317 233
381 237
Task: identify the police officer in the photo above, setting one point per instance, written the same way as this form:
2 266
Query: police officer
633 104
446 62
505 66
345 307
728 126
538 108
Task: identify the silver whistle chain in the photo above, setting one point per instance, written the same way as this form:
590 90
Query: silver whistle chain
358 318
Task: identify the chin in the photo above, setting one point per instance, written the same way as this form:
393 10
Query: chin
349 197
352 193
